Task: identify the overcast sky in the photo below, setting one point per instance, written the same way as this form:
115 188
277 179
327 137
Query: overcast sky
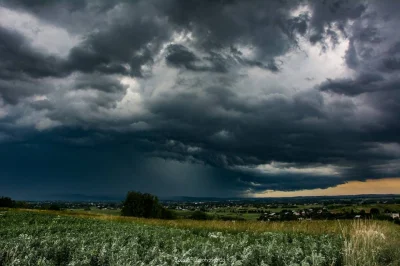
197 98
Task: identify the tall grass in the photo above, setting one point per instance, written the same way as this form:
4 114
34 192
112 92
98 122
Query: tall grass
370 243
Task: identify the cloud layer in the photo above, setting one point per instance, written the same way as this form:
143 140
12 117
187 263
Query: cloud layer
231 97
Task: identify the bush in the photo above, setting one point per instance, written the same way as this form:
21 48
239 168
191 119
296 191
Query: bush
6 202
54 207
199 215
144 205
167 214
374 211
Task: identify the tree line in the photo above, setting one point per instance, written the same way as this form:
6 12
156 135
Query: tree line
7 202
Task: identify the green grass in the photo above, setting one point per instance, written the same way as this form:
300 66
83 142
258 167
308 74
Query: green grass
43 238
182 214
239 216
98 211
32 237
219 215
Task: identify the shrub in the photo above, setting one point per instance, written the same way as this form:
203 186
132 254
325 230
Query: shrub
6 202
199 215
144 205
167 214
374 211
54 207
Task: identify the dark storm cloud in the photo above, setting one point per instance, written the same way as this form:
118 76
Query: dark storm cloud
261 183
40 5
219 24
365 82
76 16
333 13
372 54
93 161
19 59
99 82
11 91
295 135
42 105
181 57
109 51
201 88
130 38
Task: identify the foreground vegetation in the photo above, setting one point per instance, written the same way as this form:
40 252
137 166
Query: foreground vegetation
67 238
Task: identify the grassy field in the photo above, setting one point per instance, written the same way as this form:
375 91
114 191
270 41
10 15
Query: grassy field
30 237
97 211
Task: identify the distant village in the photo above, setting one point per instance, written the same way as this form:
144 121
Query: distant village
300 209
387 209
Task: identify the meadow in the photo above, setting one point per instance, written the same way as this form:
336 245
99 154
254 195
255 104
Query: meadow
31 237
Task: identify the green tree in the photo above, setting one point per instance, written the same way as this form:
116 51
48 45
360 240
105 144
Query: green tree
144 205
54 207
6 202
374 211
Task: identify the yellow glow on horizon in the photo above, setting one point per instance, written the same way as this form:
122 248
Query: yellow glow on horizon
370 186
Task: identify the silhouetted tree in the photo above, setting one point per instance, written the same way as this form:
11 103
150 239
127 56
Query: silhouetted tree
374 211
144 205
6 202
54 207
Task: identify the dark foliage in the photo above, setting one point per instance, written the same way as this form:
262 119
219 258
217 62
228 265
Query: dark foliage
199 215
21 204
6 202
54 207
374 211
144 205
